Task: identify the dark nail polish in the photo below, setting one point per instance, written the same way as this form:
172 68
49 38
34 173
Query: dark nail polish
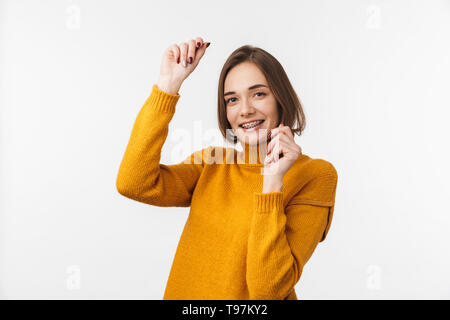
207 44
190 59
178 60
198 44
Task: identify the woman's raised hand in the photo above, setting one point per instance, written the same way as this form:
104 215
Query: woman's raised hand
178 62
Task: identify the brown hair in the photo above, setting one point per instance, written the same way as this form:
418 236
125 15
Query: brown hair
290 109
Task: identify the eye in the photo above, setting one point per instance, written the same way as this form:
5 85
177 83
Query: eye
227 101
259 92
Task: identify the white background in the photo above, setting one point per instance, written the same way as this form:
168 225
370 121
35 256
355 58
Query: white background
373 77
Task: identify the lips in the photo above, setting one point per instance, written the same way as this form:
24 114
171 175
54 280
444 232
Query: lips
250 122
254 128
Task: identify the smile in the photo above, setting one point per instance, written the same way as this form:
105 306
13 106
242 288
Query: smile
252 128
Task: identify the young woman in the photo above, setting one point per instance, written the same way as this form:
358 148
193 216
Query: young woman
257 215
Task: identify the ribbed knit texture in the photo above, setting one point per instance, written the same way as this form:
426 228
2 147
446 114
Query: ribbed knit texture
237 243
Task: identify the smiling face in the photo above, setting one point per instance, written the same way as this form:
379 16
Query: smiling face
248 98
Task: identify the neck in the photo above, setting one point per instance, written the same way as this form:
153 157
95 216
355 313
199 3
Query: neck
253 154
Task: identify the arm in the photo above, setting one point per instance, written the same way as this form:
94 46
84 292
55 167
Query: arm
282 240
141 177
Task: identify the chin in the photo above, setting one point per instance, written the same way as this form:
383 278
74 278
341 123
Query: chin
253 138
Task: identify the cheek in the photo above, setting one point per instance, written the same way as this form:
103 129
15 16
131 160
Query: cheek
274 109
231 118
269 109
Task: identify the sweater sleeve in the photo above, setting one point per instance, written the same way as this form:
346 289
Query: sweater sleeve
141 177
282 240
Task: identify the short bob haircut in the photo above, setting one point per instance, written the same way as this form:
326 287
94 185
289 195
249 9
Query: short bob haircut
290 111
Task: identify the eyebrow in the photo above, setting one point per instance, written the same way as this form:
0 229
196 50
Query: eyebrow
250 88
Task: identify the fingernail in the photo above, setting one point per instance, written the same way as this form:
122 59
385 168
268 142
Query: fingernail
178 60
190 59
207 44
198 44
184 63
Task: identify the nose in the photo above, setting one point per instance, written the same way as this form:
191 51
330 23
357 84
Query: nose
246 108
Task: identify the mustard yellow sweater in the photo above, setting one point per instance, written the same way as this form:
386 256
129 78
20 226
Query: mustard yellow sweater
237 243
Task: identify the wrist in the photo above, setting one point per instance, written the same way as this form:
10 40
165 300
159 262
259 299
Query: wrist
168 85
274 185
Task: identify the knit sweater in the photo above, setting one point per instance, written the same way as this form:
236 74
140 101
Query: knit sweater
237 243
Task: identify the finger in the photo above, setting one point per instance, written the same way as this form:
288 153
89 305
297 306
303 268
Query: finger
275 144
176 52
274 134
198 42
289 151
191 51
275 131
275 155
183 53
273 141
200 52
287 130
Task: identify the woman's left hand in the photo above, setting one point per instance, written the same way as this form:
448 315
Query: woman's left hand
282 141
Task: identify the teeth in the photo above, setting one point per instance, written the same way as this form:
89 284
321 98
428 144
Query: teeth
252 124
